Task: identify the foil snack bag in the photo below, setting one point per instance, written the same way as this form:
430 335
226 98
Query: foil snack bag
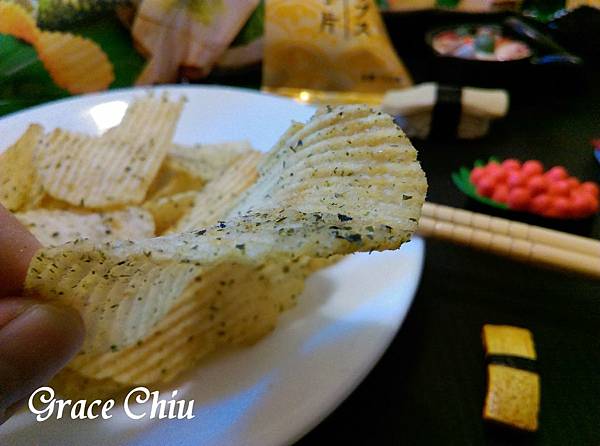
336 45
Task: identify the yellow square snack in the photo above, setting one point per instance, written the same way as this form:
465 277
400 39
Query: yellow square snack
513 397
508 340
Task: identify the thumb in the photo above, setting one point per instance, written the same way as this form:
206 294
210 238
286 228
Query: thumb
36 340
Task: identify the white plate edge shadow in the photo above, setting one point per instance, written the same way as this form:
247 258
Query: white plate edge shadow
391 313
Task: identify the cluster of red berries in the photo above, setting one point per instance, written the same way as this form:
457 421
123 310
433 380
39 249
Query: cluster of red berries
526 187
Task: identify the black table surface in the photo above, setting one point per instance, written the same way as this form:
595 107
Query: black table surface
429 387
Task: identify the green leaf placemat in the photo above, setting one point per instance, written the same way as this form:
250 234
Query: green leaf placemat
24 81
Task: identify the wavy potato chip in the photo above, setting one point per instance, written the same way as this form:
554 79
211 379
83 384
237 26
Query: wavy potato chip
110 170
191 330
220 194
76 64
171 180
149 117
56 227
219 297
231 305
18 178
72 385
167 211
207 161
347 181
16 21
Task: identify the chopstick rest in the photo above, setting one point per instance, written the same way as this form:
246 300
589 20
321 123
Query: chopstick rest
443 112
513 393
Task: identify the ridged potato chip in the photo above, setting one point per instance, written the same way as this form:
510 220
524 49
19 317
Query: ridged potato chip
167 211
110 170
16 21
207 161
186 334
220 194
231 305
219 297
56 227
18 177
172 180
76 64
149 117
74 386
347 181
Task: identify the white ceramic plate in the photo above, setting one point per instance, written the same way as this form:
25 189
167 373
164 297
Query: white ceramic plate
276 391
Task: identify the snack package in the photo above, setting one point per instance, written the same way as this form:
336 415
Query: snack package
337 45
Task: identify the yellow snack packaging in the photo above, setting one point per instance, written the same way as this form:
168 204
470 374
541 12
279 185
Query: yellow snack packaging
336 45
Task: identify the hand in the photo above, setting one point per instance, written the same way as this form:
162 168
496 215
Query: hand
36 338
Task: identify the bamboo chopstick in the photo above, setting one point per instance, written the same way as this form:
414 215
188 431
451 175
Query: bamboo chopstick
518 241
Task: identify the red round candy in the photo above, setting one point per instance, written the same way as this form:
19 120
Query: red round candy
515 179
580 205
492 168
591 187
557 173
511 164
537 184
498 176
559 188
500 193
586 202
561 206
477 174
540 203
573 183
519 198
593 204
552 212
532 167
485 187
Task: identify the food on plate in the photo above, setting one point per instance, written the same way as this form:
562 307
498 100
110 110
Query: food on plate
236 246
527 187
112 169
56 227
19 186
513 394
479 43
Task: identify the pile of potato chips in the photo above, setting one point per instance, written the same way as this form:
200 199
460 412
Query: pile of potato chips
172 252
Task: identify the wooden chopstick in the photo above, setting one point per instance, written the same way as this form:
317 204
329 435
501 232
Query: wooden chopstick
534 234
516 240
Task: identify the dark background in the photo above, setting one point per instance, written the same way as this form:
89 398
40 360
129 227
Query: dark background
429 387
